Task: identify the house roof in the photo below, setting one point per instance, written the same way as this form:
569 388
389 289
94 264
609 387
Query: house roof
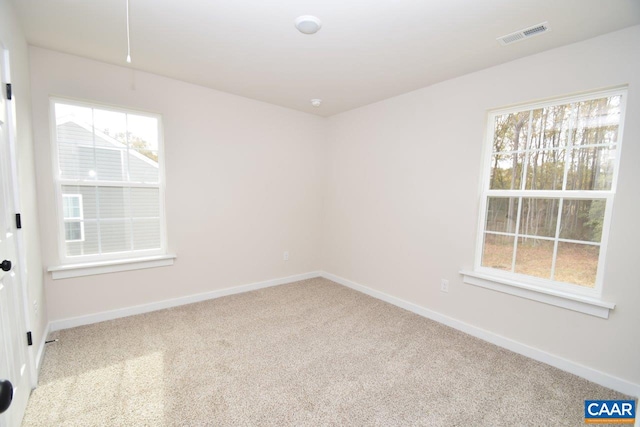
104 137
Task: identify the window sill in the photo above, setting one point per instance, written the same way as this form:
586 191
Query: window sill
582 304
103 267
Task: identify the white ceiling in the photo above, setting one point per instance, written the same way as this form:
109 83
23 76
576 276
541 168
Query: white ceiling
366 51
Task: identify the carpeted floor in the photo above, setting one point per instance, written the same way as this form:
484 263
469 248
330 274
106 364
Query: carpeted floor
307 353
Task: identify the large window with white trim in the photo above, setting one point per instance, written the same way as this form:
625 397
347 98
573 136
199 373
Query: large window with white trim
108 166
549 183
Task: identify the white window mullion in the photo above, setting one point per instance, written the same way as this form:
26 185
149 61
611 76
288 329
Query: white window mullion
527 151
131 217
528 236
551 194
569 149
580 242
93 138
98 228
515 239
128 147
555 240
85 183
95 170
523 184
128 176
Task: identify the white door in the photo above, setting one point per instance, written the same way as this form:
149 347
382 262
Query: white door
13 338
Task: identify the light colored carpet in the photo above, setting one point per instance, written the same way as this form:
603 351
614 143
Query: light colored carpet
307 353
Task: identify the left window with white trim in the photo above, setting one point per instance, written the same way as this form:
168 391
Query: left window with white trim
109 177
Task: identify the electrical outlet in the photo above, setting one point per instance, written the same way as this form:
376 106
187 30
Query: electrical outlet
444 285
285 256
35 307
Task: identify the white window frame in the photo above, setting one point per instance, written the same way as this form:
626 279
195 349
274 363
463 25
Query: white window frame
571 296
69 219
116 261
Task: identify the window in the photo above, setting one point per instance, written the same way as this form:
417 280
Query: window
109 180
548 188
72 216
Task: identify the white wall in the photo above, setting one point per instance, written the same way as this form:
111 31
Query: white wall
402 201
244 183
12 38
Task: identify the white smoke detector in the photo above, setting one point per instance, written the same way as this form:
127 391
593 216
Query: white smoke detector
308 24
316 102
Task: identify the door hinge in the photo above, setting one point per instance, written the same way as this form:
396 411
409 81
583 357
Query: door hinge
8 91
29 339
18 221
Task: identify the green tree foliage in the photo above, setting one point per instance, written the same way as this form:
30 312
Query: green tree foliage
138 144
595 218
535 149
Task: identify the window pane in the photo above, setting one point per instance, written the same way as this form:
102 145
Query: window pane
545 170
145 128
536 130
89 246
497 251
145 202
577 264
77 140
114 202
556 122
598 121
110 127
115 236
506 171
143 145
146 234
502 213
591 168
73 231
143 166
66 207
582 220
510 132
534 256
88 198
539 217
110 164
96 144
76 161
71 206
65 112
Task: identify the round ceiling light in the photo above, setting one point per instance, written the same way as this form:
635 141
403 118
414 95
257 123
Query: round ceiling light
316 102
308 24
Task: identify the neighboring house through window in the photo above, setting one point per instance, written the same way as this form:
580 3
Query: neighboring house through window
549 183
72 216
109 182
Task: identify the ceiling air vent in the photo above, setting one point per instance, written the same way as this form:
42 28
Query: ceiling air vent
524 34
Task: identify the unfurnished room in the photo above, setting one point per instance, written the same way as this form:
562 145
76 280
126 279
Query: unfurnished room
319 213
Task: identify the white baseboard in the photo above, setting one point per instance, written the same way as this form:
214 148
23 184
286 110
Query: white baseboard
72 322
41 347
590 374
